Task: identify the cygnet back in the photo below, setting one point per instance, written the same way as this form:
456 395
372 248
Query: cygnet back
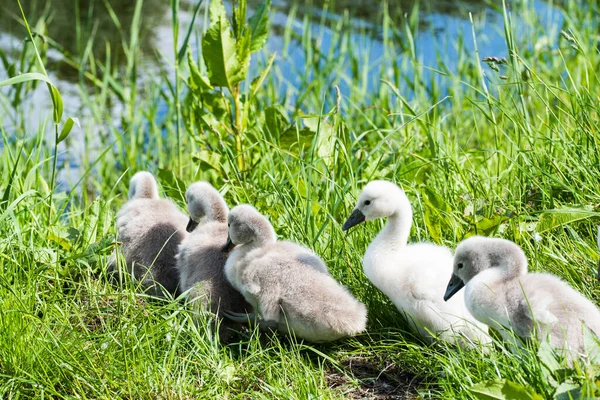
151 230
288 284
500 292
201 260
306 299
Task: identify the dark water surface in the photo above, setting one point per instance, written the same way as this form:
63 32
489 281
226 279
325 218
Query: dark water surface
440 23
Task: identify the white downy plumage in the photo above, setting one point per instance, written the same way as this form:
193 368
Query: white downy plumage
413 276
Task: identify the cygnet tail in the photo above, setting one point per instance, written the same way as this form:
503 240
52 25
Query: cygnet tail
143 186
346 316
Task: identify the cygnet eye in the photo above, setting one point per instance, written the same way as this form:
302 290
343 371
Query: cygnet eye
459 265
367 202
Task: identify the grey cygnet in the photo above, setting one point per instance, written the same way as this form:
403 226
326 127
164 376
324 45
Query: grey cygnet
287 284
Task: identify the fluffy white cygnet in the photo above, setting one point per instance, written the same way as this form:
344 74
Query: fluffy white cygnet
413 276
201 261
287 284
151 230
501 293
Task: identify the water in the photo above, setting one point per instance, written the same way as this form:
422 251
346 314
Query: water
440 21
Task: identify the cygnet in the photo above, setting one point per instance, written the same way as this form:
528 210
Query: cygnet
501 293
151 230
201 261
413 276
287 284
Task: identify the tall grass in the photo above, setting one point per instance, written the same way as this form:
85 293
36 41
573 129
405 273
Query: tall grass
512 153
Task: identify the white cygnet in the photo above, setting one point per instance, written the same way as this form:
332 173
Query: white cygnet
151 230
413 276
501 293
201 261
287 284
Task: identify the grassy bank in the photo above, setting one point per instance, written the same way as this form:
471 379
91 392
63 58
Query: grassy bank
512 153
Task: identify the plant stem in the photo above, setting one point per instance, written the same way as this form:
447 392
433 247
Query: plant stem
238 128
53 176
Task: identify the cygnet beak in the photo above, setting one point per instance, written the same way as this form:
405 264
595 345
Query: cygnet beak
454 286
228 246
191 225
354 219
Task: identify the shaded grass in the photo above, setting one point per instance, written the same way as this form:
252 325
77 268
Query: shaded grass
475 152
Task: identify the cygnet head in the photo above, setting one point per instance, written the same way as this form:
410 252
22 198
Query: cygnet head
379 199
246 225
477 254
204 201
143 186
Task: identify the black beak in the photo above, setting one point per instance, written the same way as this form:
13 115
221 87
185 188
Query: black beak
598 275
191 225
228 246
454 286
354 219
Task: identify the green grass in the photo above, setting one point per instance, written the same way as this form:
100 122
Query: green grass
507 157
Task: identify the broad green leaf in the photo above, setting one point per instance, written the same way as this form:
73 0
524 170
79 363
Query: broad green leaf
503 389
432 224
74 235
259 26
567 391
216 103
547 357
243 50
60 236
435 205
276 121
488 390
66 129
516 391
552 219
197 81
436 200
45 255
302 138
220 52
326 134
208 160
487 226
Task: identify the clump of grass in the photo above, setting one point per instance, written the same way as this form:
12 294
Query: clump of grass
508 151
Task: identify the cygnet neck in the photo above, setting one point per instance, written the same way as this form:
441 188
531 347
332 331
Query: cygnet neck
506 256
264 235
218 211
397 228
516 268
143 186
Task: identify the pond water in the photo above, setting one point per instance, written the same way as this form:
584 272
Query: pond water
439 21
